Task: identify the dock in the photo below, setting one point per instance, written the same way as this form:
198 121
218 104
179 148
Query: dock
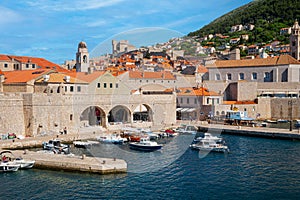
274 133
74 163
60 161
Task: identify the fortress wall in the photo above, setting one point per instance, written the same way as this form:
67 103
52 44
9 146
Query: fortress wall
11 114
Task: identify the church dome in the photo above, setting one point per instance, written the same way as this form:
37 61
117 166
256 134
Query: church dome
82 45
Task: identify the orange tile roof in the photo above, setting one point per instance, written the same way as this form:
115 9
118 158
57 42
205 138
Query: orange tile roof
1 73
202 69
23 76
192 91
270 61
40 62
4 58
151 75
238 102
60 78
85 76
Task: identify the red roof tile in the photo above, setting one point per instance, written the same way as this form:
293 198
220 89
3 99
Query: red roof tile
23 76
191 91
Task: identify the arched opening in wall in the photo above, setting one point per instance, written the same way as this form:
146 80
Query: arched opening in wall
119 114
92 116
142 113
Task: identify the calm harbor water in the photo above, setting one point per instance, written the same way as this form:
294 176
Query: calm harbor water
256 168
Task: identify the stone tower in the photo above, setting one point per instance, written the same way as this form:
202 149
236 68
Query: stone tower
82 58
295 41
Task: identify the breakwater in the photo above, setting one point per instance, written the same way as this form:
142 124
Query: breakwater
273 133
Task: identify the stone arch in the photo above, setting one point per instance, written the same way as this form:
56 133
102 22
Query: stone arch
143 112
93 116
118 114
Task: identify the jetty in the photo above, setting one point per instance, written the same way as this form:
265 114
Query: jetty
274 133
73 163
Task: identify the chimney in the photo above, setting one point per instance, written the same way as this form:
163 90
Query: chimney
46 77
67 79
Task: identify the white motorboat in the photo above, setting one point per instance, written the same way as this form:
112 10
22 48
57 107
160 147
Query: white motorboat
145 145
8 156
208 137
210 146
24 164
187 129
114 139
9 167
56 146
84 144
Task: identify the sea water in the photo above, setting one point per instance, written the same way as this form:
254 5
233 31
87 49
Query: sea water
255 168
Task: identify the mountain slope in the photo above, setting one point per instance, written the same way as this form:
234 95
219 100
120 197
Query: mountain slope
267 15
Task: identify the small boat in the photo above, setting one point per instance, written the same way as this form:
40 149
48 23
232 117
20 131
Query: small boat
56 146
113 139
84 144
145 145
210 146
8 167
24 164
8 156
187 129
208 137
134 138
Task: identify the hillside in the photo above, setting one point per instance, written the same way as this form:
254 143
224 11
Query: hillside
268 16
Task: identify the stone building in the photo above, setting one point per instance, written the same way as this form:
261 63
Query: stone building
196 103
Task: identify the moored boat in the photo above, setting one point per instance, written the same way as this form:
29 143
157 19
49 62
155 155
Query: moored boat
145 145
208 146
113 139
8 167
56 146
8 157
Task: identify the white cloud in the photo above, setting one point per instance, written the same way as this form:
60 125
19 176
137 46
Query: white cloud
75 5
8 16
97 23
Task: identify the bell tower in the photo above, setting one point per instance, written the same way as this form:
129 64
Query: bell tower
295 41
82 58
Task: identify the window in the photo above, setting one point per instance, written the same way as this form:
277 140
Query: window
181 100
218 77
254 76
207 101
153 81
117 85
33 65
71 88
66 89
5 65
78 89
110 85
187 100
228 76
98 85
195 101
140 81
241 76
27 65
71 117
267 77
104 85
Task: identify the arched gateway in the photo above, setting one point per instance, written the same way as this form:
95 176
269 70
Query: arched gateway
93 116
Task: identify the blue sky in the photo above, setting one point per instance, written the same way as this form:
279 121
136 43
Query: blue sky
52 29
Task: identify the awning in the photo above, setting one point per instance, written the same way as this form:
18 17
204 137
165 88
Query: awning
185 109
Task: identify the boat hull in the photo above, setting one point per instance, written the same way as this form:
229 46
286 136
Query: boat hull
141 147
